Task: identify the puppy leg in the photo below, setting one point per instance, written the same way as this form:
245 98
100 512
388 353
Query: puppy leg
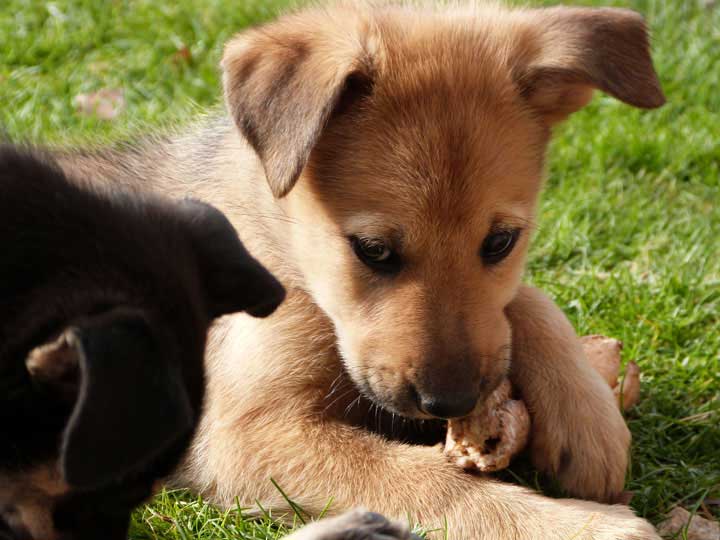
314 459
356 524
578 433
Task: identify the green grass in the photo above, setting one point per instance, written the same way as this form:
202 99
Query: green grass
629 231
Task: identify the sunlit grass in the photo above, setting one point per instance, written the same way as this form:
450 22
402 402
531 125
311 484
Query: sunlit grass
628 238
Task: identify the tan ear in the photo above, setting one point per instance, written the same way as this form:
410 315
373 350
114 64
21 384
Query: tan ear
283 82
569 52
55 365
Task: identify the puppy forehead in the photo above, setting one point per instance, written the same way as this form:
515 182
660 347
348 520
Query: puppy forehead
445 138
434 168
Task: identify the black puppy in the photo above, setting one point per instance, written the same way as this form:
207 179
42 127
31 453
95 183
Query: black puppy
105 301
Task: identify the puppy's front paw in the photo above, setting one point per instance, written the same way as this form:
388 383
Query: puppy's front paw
355 525
584 520
583 440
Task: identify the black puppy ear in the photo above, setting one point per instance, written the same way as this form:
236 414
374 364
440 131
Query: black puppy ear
233 279
131 403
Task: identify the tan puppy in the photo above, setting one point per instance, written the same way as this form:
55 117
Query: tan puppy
385 163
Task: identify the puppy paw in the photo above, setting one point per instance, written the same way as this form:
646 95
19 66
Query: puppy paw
584 443
591 521
356 524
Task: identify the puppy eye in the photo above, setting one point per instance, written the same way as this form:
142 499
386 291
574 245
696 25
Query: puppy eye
498 245
376 254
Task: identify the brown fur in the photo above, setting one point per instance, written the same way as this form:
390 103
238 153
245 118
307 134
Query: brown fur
427 128
26 500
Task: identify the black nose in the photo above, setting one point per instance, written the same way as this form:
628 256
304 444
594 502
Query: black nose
451 405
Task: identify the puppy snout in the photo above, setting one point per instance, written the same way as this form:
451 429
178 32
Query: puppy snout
447 405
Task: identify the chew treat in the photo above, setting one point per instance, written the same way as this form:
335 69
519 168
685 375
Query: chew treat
488 440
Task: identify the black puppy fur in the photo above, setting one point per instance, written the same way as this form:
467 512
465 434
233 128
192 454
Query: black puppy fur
105 301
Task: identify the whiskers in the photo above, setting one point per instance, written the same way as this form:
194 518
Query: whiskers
396 427
347 402
354 402
340 388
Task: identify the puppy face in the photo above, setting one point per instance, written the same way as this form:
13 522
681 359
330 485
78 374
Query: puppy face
418 139
425 236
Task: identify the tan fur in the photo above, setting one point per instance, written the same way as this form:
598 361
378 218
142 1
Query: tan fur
426 127
28 498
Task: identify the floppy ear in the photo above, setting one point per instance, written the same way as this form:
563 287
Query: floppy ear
573 51
232 278
283 81
131 403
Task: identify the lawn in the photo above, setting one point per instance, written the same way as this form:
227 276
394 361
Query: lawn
629 237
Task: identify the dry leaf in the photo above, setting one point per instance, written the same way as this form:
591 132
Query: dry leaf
603 353
105 104
698 528
628 391
182 55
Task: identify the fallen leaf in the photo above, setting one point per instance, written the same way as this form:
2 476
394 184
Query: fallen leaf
182 55
628 391
105 104
696 527
603 353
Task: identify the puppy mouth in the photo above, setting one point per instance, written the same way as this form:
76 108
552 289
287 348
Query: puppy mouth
392 421
406 403
401 398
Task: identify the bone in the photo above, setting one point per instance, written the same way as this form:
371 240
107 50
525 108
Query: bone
488 440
